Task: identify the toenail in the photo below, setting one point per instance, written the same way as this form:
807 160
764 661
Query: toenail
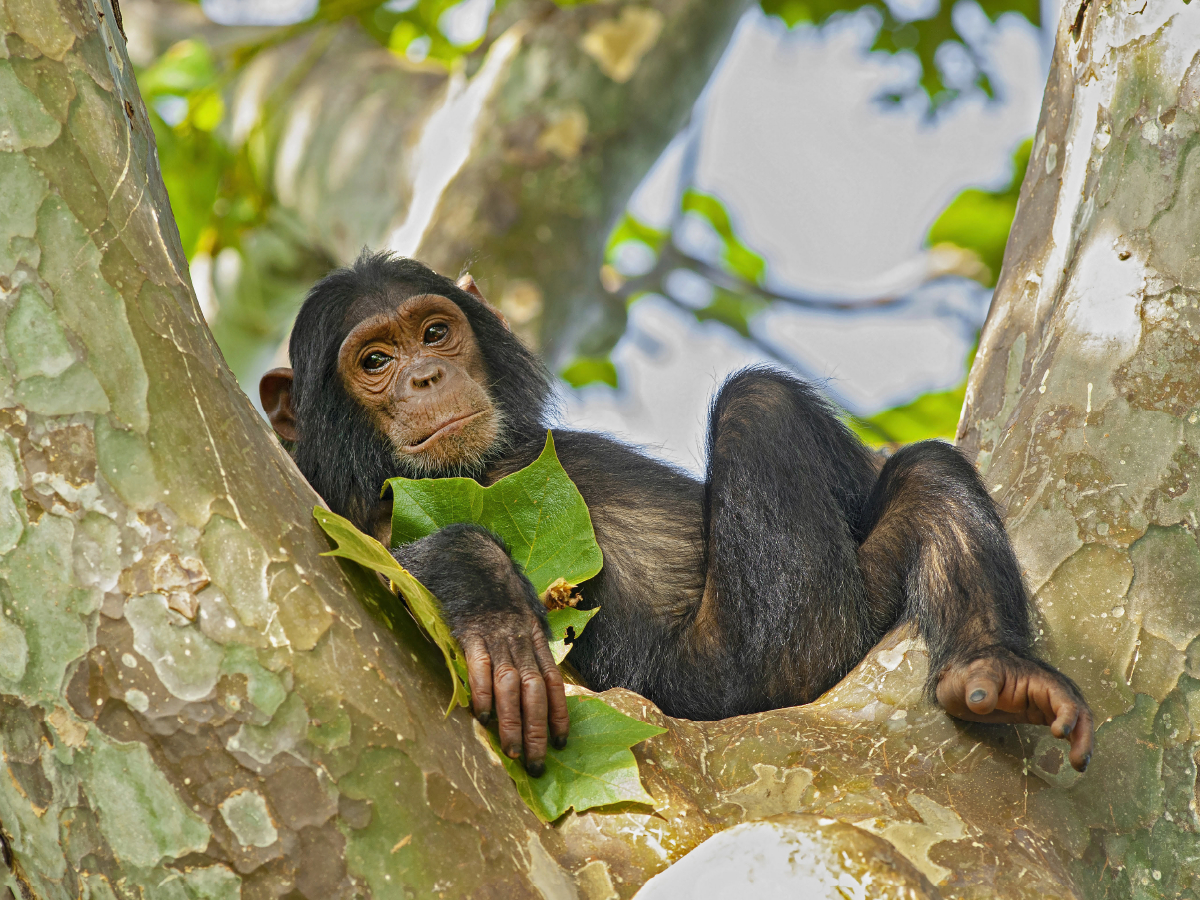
1087 759
1067 730
978 696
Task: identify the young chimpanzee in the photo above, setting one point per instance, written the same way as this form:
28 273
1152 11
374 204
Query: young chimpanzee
758 588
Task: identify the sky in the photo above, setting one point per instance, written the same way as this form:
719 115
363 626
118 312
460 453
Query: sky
834 188
837 191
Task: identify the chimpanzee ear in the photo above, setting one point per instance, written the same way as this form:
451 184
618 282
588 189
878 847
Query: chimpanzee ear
467 283
275 392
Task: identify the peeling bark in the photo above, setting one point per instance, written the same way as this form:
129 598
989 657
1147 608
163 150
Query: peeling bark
194 703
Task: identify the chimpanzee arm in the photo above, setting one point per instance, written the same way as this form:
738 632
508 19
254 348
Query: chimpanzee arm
494 612
937 553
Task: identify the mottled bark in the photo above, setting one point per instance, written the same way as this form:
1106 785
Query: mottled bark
194 703
1083 412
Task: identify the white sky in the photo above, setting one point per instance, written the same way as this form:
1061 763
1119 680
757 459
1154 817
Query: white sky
837 192
834 188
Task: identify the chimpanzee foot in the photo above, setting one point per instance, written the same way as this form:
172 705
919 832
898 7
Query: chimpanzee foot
1004 687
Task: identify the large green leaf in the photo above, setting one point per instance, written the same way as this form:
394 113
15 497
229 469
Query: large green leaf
538 512
565 627
596 768
363 549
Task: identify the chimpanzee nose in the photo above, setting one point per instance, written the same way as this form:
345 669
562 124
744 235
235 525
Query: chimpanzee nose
426 375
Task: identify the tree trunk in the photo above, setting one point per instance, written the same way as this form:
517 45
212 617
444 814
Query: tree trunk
1083 410
194 703
520 171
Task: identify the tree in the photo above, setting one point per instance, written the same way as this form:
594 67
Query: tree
194 703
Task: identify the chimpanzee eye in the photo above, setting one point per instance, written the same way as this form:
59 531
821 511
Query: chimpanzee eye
375 361
435 333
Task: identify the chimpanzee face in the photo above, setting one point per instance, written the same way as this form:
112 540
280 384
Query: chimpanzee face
417 370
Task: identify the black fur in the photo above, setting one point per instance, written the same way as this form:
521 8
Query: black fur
339 451
477 576
760 587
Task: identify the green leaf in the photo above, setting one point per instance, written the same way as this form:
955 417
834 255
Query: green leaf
590 370
932 415
185 67
634 229
596 768
980 221
538 512
567 623
739 258
734 310
363 549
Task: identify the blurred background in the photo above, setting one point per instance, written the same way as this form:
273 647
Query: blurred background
656 193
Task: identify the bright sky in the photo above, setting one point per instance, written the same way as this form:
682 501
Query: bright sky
837 191
834 188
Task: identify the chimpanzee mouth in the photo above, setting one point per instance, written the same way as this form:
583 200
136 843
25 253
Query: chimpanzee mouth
450 426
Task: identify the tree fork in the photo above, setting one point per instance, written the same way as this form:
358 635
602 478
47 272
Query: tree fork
194 703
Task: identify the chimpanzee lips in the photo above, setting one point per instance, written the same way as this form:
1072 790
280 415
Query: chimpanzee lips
450 426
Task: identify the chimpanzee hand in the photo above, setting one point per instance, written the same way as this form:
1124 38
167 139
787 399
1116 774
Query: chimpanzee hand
1004 687
494 612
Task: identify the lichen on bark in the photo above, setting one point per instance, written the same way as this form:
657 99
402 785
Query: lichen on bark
195 703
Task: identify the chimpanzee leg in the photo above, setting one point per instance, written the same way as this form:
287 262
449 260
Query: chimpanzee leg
937 553
784 613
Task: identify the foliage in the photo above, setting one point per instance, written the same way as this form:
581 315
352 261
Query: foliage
585 370
215 194
732 309
542 518
565 626
596 768
363 549
248 256
538 512
923 38
979 220
630 228
931 415
411 28
737 257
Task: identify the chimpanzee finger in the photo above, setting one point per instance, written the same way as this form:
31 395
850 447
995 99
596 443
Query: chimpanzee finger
556 693
981 692
1071 720
533 706
507 683
479 677
1082 738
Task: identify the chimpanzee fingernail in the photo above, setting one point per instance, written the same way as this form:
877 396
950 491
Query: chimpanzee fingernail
977 696
560 742
484 718
1087 759
535 769
513 752
1067 730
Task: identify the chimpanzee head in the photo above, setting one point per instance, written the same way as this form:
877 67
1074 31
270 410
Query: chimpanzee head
399 371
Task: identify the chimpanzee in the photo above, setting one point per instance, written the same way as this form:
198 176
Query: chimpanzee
758 588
